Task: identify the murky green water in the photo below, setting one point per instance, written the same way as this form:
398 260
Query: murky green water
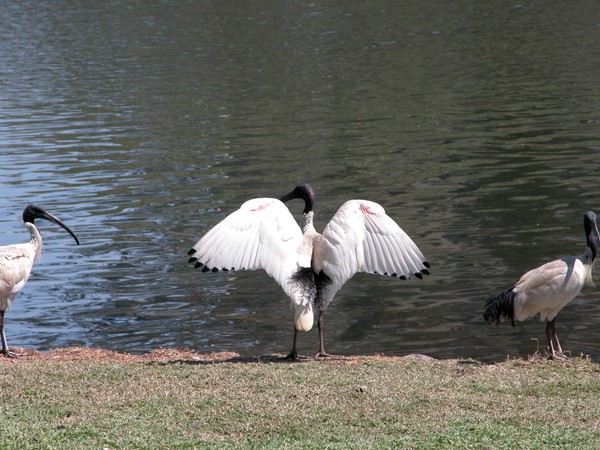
142 124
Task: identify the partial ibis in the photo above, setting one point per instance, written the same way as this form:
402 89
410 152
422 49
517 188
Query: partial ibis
310 267
17 260
548 288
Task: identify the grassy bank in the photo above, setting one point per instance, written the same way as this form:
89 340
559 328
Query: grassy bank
80 398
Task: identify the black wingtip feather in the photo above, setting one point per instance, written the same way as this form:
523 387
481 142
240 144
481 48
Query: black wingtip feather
418 275
191 252
426 264
205 268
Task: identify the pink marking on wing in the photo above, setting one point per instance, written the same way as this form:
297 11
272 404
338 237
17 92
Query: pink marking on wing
259 208
366 210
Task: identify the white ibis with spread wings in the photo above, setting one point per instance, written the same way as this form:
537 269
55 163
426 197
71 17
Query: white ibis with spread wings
310 267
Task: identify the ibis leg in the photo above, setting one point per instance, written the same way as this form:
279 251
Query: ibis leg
549 339
322 353
557 348
4 344
293 355
556 352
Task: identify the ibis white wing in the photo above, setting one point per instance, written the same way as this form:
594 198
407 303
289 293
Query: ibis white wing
262 234
548 288
361 237
15 267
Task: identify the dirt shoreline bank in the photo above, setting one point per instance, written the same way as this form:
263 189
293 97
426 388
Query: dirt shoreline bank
183 355
174 355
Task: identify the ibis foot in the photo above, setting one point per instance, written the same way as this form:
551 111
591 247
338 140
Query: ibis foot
328 355
294 356
10 354
559 356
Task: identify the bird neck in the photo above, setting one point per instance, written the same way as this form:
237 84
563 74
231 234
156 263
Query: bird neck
308 203
591 234
35 238
590 254
588 264
590 251
307 222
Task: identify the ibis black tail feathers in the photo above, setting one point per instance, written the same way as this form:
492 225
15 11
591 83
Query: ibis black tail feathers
500 308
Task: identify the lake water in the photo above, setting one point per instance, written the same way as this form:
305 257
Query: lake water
142 124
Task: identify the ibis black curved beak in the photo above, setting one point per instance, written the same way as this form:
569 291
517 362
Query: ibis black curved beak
33 212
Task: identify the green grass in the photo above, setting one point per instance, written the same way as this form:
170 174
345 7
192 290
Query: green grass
359 403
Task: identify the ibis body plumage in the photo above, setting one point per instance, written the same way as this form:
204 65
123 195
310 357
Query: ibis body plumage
547 289
17 260
310 267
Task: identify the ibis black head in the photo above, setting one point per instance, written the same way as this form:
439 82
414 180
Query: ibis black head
33 212
591 232
304 192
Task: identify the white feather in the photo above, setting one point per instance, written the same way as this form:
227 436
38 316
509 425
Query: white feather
548 288
261 234
361 237
16 262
